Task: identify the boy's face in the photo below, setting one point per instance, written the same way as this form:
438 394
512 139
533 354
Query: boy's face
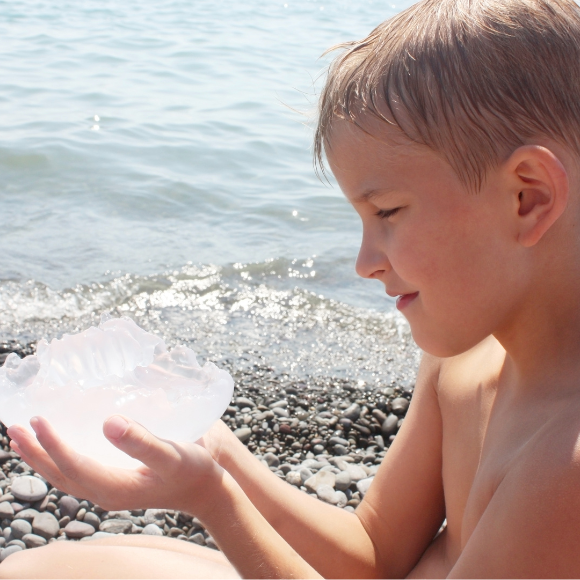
450 255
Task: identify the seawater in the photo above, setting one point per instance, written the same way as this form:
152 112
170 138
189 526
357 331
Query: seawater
156 162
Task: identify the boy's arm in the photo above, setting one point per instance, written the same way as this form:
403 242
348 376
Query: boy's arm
396 521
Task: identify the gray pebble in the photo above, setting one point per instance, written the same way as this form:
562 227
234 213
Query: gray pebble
343 481
76 529
356 472
242 402
28 488
389 426
28 515
45 525
210 543
272 460
340 450
326 493
99 535
18 543
321 478
68 506
341 499
399 405
305 474
197 539
5 552
243 434
116 526
352 413
34 541
364 484
63 522
6 510
153 516
92 519
293 478
337 441
81 514
20 528
152 530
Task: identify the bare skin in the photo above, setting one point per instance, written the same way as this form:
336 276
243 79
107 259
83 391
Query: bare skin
489 284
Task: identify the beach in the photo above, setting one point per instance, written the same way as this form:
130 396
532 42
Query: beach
327 438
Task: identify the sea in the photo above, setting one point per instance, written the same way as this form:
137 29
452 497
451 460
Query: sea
156 163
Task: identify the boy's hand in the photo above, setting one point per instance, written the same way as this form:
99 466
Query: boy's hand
180 476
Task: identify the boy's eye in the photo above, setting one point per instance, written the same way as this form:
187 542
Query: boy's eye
387 213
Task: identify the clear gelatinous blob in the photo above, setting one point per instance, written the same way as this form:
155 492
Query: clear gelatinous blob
80 380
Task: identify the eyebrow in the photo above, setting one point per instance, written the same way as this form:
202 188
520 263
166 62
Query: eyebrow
369 194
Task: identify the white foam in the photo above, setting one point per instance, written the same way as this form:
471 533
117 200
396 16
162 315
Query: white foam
80 380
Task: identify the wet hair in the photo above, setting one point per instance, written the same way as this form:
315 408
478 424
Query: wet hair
470 79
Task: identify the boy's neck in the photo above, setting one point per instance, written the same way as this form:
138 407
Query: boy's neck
542 340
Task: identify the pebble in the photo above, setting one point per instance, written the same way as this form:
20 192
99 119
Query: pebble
321 478
20 528
6 510
399 405
356 472
116 526
27 514
364 484
99 535
210 543
16 542
45 525
305 474
76 529
34 541
197 538
68 506
28 488
293 478
343 481
152 530
153 516
389 426
326 493
5 552
243 434
92 519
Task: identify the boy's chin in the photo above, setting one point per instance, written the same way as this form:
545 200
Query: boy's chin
443 346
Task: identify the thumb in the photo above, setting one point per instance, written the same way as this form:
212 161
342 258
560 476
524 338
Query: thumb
136 441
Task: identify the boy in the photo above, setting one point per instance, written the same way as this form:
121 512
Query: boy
454 130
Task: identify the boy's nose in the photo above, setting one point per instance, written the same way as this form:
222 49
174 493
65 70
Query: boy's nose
372 260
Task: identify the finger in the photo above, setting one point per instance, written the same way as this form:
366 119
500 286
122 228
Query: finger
32 453
134 440
82 473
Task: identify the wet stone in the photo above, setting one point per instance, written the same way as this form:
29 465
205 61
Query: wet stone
399 405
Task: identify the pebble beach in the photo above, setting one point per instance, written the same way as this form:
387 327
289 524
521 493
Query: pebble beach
328 439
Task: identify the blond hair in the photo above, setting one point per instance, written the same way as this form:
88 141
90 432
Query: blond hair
471 79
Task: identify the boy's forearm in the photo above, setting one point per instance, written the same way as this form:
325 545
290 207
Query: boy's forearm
330 539
250 543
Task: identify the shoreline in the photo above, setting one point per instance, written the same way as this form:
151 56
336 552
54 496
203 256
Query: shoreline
326 436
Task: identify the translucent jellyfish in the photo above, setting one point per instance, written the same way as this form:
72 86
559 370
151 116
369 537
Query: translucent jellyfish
80 380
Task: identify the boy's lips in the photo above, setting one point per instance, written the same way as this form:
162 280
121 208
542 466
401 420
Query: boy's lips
405 299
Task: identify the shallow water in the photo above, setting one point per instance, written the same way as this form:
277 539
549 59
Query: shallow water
155 161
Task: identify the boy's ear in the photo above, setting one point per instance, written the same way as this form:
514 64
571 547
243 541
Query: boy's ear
539 183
